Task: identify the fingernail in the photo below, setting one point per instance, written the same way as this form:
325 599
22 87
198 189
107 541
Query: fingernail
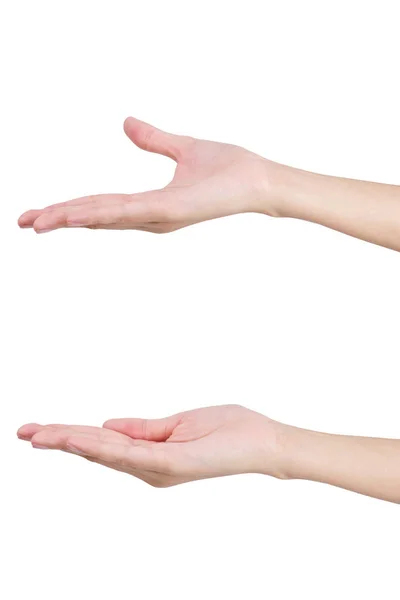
38 447
43 230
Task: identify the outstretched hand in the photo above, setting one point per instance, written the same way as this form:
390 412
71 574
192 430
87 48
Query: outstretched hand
211 180
198 444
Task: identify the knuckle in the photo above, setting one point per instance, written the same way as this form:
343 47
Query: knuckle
144 429
147 138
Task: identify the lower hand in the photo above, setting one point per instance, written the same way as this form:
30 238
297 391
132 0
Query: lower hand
199 444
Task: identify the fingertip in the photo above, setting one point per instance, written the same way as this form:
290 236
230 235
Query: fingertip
22 222
128 121
49 438
113 424
38 229
37 441
27 218
133 128
116 425
130 124
25 432
43 230
41 226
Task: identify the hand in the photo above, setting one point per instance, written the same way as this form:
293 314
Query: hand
202 443
211 180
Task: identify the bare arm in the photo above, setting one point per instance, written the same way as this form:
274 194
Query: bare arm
228 440
369 211
214 180
369 466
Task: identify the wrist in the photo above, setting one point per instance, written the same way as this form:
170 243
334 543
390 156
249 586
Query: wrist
285 190
284 450
299 453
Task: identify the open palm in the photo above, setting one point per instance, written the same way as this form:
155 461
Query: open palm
198 444
211 180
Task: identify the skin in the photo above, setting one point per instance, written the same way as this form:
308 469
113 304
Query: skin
227 440
199 444
214 180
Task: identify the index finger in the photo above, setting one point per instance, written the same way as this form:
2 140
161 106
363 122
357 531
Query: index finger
149 458
28 218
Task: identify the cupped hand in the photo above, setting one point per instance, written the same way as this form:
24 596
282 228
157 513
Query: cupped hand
198 444
211 180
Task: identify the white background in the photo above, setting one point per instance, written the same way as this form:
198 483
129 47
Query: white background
285 317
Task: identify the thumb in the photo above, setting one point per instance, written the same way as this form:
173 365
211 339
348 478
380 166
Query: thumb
150 138
154 430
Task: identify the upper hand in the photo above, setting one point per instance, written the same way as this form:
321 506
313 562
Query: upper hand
211 180
198 444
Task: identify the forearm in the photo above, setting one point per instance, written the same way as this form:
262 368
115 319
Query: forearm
366 210
369 466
